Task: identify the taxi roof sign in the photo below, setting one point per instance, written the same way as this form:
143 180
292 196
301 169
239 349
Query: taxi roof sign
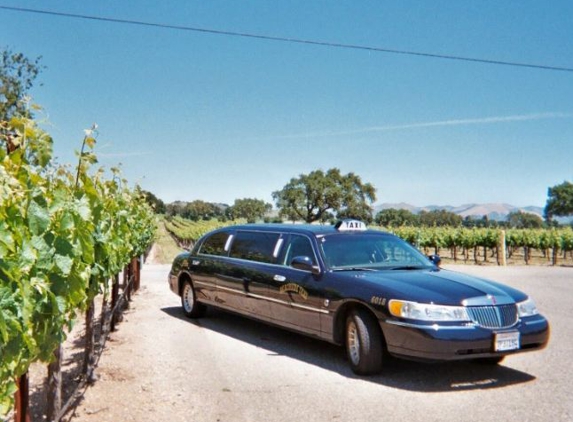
350 225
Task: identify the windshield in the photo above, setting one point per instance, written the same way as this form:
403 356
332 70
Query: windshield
370 251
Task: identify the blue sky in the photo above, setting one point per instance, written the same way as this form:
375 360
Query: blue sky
193 115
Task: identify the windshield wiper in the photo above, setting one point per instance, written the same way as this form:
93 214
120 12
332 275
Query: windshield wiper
408 267
354 269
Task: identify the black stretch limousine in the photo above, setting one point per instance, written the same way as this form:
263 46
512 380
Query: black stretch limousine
365 289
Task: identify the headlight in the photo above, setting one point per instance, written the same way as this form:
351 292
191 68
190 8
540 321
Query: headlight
427 312
527 308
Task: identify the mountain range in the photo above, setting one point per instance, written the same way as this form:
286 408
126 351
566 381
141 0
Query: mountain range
494 211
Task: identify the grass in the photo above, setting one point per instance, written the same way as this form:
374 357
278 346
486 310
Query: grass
164 248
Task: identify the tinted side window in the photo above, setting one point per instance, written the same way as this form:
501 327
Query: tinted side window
215 245
298 246
255 246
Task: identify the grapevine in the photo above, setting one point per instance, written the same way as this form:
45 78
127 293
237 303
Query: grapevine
555 240
428 239
186 232
62 235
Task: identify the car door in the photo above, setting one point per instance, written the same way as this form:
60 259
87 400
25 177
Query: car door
296 298
208 263
244 286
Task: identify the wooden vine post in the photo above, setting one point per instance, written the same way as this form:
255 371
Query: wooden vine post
127 283
136 271
114 302
22 398
55 385
89 352
502 253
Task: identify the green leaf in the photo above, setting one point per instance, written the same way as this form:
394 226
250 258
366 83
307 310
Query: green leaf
44 252
27 256
64 263
64 247
66 221
38 218
83 208
6 238
3 329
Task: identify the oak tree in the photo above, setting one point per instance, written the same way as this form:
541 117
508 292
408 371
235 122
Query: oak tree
559 201
392 217
249 208
17 75
439 218
524 220
319 196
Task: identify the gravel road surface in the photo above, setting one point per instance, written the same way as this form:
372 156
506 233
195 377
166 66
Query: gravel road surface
160 366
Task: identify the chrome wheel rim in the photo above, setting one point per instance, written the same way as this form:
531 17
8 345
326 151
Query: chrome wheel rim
188 298
353 343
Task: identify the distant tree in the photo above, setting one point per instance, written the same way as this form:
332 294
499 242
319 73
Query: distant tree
251 209
157 204
439 218
17 75
396 218
200 210
175 208
524 220
559 201
484 221
196 210
319 196
360 211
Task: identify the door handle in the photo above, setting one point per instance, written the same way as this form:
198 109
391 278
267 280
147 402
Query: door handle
246 282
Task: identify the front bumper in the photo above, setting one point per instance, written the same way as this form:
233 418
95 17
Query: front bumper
173 282
456 342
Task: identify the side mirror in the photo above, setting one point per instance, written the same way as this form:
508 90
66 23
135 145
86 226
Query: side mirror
304 263
435 259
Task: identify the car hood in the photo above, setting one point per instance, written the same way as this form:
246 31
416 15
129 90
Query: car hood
440 287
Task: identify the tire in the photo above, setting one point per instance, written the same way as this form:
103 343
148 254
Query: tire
364 343
191 308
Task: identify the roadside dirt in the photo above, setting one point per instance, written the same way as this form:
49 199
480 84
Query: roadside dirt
129 381
125 370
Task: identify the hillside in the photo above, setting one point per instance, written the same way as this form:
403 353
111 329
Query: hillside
494 211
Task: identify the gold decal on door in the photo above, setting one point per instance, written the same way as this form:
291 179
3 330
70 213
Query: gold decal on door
295 288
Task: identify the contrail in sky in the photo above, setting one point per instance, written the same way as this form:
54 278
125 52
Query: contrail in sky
439 123
122 154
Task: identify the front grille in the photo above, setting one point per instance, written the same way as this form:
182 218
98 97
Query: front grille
493 316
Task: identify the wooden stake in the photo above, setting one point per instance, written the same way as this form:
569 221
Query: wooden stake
22 408
55 385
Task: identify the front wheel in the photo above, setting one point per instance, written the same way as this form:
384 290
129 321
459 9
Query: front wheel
191 307
364 343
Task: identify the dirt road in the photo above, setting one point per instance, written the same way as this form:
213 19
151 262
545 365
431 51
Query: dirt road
160 366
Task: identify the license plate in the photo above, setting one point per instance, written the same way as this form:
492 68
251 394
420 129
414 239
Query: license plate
506 341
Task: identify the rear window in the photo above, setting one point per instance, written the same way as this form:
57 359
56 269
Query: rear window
215 244
255 246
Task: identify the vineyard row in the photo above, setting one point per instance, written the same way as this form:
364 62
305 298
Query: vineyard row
63 235
460 242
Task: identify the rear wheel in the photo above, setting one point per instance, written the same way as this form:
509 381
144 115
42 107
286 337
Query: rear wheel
191 307
364 343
